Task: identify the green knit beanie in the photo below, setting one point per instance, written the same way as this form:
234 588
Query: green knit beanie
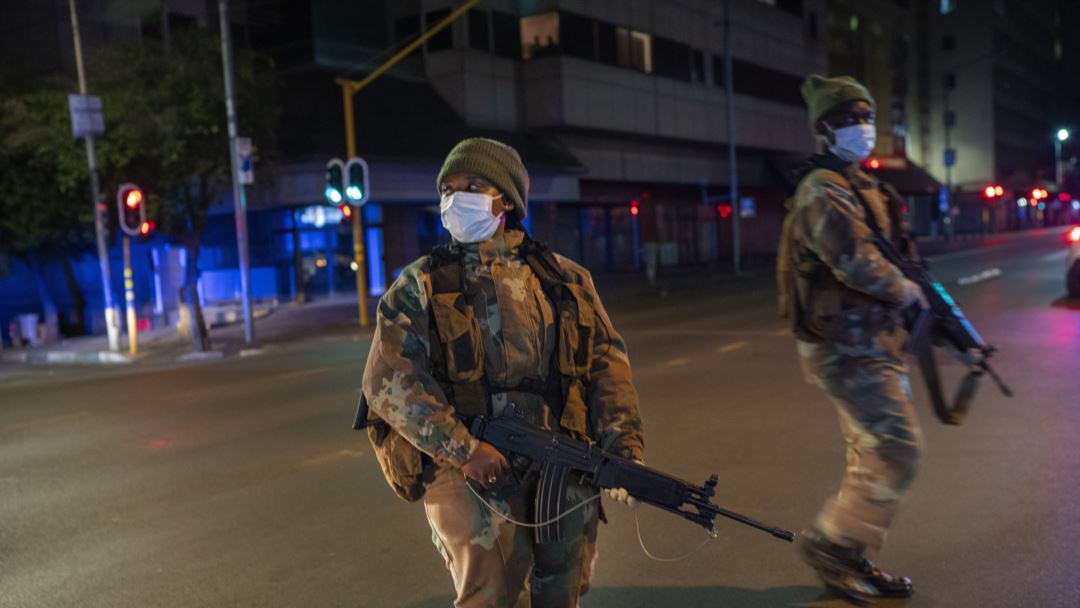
822 94
494 161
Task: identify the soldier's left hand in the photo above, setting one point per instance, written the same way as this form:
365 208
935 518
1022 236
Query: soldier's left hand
621 495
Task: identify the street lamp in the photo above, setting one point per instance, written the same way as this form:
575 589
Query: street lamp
1062 135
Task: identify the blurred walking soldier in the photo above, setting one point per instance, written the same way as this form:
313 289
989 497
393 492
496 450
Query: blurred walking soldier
491 321
847 305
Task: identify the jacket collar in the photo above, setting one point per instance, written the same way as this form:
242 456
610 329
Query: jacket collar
503 244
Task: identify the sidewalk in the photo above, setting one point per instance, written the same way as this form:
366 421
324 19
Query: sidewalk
337 317
287 323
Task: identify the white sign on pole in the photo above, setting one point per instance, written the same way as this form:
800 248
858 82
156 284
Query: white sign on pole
86 116
245 165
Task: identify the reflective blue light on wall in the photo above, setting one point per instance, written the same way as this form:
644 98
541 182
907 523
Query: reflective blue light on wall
376 284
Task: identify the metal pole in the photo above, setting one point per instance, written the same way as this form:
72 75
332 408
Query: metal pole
729 89
129 299
112 313
239 202
359 258
947 221
1057 161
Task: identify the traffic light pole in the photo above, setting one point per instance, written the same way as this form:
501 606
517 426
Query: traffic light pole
359 257
112 314
239 202
349 88
129 299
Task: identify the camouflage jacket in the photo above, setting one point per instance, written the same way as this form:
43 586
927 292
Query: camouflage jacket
847 295
517 325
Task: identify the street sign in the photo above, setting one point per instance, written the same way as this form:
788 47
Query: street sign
86 116
245 166
747 207
950 157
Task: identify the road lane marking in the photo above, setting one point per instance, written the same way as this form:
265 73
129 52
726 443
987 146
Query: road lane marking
1056 256
331 457
734 346
678 361
979 277
304 372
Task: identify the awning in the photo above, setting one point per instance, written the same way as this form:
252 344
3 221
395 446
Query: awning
912 180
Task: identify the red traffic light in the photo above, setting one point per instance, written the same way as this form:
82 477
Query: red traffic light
724 210
635 207
131 206
133 198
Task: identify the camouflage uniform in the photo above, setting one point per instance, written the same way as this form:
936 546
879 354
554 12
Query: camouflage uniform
490 559
850 340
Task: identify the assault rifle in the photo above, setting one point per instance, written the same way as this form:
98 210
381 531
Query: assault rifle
943 323
532 450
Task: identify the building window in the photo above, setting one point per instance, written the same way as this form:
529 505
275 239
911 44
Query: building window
795 7
697 66
606 47
948 42
539 35
507 39
479 33
634 49
671 59
444 39
950 80
947 6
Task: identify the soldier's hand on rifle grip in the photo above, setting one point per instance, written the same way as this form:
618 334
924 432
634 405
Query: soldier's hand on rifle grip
621 495
486 466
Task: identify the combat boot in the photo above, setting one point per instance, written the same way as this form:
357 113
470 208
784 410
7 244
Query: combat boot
847 573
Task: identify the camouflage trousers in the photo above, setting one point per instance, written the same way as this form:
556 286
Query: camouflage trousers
497 564
872 397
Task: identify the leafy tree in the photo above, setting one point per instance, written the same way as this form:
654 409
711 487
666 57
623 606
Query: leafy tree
165 108
46 213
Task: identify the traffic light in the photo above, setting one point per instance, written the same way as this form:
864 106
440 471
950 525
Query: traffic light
992 191
132 210
635 207
346 210
335 181
356 181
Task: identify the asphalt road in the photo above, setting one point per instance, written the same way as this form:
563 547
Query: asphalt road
240 482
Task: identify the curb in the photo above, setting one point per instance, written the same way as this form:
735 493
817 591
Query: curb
69 356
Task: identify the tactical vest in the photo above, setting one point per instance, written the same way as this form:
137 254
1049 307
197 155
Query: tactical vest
457 361
793 276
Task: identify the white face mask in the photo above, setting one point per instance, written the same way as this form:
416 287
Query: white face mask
854 143
467 216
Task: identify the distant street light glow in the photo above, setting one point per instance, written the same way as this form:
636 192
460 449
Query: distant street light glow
1063 134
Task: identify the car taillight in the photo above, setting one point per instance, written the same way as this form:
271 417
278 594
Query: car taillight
1074 235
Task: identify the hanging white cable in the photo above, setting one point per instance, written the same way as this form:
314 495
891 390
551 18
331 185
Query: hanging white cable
637 524
641 542
524 524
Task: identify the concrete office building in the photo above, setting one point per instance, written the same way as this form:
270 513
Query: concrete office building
618 109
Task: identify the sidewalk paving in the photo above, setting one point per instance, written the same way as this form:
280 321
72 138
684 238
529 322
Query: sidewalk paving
336 317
